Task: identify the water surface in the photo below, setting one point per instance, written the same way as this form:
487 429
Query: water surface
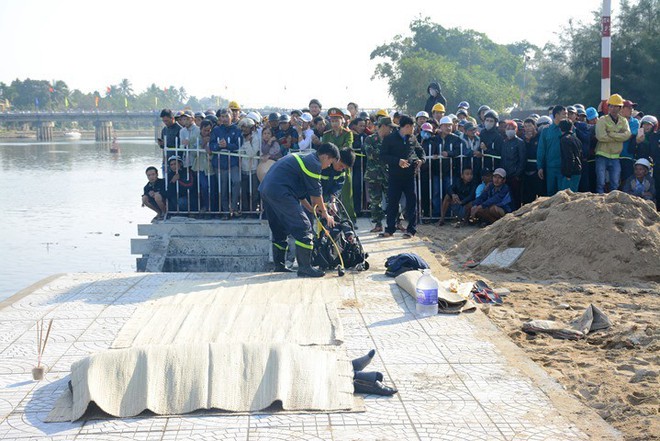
70 207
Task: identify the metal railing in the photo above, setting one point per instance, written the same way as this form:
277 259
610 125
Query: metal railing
213 190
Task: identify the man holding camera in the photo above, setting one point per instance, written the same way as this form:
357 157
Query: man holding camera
404 157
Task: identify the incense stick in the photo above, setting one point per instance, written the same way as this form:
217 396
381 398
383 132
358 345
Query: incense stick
43 348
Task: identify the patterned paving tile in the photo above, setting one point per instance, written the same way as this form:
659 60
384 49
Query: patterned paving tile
423 382
452 384
291 433
378 411
229 434
377 432
460 432
124 426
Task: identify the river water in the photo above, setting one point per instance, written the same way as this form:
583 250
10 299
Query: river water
70 207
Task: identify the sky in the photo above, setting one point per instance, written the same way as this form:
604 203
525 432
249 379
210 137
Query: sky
280 53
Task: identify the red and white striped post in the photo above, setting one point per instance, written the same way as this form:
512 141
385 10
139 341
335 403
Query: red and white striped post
606 54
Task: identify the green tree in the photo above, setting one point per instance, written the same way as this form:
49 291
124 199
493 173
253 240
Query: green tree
568 70
467 64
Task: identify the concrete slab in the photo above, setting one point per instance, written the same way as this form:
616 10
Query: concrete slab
458 377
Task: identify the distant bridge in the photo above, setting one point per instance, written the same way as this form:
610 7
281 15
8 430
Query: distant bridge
80 115
44 122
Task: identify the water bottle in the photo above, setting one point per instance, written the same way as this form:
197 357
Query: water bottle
427 295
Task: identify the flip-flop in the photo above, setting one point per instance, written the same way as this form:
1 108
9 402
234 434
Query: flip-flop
482 293
471 264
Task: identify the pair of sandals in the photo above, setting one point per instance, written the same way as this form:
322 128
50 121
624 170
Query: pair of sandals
484 294
369 382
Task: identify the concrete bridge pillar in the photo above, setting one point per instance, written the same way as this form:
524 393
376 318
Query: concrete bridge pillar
45 131
104 131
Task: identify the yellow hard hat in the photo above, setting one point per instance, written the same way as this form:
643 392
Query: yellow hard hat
233 105
382 112
438 107
615 100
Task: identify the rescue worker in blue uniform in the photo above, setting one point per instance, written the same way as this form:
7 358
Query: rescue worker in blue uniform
284 190
333 178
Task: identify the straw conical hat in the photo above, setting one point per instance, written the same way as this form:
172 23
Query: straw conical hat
263 168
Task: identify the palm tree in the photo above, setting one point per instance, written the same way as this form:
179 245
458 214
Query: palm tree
126 88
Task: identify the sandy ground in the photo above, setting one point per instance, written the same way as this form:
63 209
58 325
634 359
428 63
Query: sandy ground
614 371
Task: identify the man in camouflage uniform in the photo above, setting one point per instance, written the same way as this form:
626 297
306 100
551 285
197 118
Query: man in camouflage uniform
376 171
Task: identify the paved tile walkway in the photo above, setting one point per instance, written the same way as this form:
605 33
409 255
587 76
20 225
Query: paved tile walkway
457 376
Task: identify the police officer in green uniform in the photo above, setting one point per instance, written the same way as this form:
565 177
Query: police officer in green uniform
284 191
341 137
376 171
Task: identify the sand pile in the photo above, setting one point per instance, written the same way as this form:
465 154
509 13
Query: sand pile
612 238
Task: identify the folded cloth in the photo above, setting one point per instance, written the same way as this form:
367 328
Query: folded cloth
449 302
592 319
404 262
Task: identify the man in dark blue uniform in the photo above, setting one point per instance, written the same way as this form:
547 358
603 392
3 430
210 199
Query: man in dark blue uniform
286 185
333 178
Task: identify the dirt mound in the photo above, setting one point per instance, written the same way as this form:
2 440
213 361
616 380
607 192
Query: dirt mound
606 238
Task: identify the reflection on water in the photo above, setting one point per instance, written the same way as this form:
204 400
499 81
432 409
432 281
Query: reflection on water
70 207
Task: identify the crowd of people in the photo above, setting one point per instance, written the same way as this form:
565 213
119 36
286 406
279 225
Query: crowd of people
471 166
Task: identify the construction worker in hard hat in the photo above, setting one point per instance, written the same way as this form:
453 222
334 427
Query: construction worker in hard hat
235 111
437 112
612 130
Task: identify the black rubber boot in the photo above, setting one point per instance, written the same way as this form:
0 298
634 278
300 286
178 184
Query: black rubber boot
368 383
279 256
363 362
305 268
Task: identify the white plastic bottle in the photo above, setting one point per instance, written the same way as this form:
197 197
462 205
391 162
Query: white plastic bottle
427 295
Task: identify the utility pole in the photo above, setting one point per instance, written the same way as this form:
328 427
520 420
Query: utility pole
606 54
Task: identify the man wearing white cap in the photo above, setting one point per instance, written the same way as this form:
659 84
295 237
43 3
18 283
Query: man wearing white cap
639 184
494 202
305 131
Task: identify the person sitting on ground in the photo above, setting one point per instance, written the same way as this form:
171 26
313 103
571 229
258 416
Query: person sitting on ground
640 184
181 187
571 157
494 202
460 197
153 196
486 178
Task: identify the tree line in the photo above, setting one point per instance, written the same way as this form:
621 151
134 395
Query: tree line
471 67
43 95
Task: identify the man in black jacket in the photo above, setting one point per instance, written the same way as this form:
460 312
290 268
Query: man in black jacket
404 156
435 96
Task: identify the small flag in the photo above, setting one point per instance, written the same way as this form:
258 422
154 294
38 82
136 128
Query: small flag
156 100
66 102
36 101
108 89
126 102
217 101
51 90
96 101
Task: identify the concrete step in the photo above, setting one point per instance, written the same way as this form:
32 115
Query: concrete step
218 246
213 228
217 264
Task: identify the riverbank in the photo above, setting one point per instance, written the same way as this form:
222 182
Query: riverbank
614 372
458 376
